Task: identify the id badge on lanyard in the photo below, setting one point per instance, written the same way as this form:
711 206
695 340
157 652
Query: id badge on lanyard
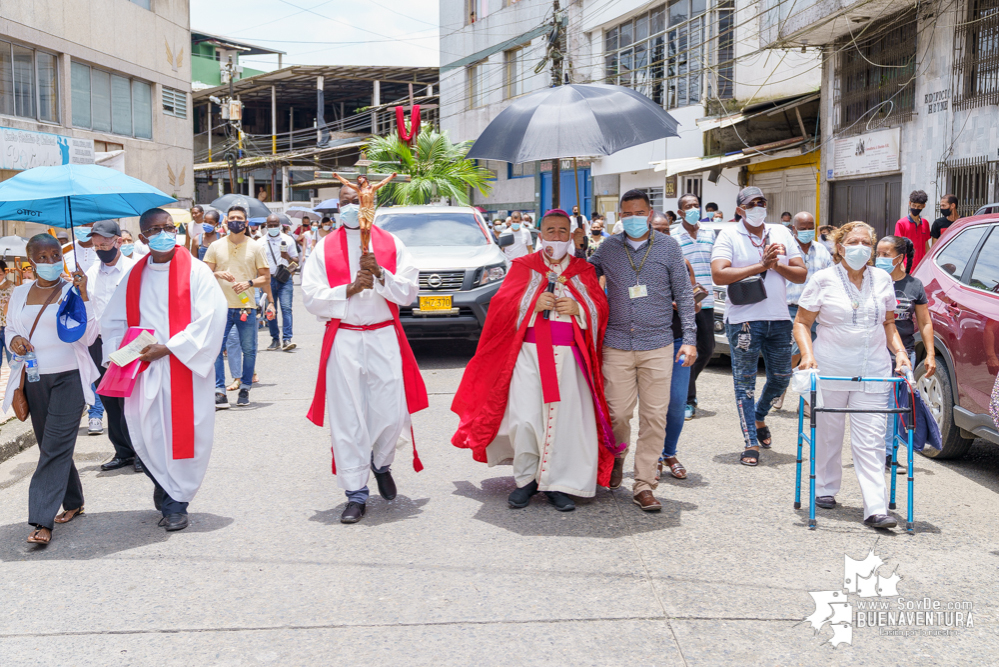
638 291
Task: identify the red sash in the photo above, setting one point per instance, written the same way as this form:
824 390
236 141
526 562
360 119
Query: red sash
338 273
181 380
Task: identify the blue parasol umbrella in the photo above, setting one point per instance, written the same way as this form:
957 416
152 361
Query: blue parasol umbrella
327 207
75 194
303 212
254 207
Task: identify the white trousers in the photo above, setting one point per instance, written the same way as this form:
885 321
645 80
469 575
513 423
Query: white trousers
867 442
366 399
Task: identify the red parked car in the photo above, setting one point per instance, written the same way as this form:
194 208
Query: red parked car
961 277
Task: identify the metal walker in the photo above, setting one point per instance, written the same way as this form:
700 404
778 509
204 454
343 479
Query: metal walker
896 439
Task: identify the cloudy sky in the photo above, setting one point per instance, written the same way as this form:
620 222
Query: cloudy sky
327 32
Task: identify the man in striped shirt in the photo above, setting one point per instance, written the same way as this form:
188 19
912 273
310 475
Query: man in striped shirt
697 243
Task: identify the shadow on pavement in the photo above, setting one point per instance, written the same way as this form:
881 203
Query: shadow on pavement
99 534
768 458
980 464
379 511
693 481
443 354
600 516
850 514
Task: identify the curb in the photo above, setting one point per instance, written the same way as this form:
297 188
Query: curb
15 437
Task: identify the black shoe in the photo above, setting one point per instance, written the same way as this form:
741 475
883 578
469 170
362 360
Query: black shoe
617 473
386 485
158 495
138 465
562 502
353 513
275 345
221 402
901 466
880 521
288 346
825 502
173 522
521 497
244 397
116 463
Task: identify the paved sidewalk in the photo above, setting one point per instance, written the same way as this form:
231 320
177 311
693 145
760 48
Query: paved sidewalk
447 575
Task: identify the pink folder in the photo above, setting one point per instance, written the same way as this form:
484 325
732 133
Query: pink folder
119 382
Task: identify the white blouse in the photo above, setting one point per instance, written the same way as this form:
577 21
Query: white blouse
851 338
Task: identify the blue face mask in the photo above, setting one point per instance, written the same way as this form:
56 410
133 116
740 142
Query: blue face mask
692 216
515 226
127 249
82 234
885 263
48 271
349 215
209 229
273 231
163 242
806 236
635 226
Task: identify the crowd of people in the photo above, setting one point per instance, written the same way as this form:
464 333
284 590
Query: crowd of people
587 326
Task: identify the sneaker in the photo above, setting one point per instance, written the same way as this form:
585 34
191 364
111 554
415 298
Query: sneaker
288 346
689 411
244 397
275 345
95 426
221 402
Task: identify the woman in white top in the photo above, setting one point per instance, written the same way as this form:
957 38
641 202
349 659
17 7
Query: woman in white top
855 306
57 399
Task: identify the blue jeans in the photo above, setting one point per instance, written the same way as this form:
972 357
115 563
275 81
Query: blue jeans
95 411
747 341
361 495
902 454
283 293
678 385
3 341
792 310
234 353
248 343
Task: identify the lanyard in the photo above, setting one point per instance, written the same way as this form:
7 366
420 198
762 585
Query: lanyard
638 271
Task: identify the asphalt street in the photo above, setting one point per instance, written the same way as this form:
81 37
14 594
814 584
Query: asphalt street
446 574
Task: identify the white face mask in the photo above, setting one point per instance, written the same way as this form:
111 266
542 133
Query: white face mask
755 216
555 250
856 256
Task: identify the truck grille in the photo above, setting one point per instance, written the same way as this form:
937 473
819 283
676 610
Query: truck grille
442 280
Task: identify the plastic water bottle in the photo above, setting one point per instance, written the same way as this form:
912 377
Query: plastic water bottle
31 366
244 296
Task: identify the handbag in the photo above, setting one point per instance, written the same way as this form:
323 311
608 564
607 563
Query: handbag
700 293
282 274
19 403
748 291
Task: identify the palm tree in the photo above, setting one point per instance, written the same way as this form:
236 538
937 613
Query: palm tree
437 169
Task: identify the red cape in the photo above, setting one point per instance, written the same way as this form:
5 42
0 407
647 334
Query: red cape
485 387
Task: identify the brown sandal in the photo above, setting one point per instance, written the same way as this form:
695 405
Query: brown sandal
66 517
35 539
678 470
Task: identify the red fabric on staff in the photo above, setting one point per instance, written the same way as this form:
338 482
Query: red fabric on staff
414 120
181 379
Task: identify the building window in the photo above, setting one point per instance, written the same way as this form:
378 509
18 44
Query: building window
29 86
973 180
174 102
634 53
516 72
493 167
976 63
106 102
875 84
725 54
477 84
522 170
656 201
691 186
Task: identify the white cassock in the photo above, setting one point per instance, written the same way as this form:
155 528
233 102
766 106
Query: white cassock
552 443
365 393
148 410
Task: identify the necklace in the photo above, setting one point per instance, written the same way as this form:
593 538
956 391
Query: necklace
638 270
851 289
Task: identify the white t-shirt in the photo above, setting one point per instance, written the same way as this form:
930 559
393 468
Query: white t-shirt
736 245
522 244
851 343
273 245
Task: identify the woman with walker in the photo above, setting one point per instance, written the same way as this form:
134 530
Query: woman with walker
855 307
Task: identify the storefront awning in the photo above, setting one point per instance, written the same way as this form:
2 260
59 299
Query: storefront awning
752 155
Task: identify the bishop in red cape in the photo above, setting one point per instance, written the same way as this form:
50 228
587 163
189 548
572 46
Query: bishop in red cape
533 394
171 411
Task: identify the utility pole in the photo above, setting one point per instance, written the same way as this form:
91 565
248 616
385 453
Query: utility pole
556 47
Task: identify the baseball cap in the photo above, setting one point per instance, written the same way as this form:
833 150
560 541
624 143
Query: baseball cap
747 195
106 228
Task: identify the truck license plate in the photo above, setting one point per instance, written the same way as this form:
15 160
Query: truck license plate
435 302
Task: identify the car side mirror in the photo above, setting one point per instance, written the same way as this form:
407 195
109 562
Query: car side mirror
505 240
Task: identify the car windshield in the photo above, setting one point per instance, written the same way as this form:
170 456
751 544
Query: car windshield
433 229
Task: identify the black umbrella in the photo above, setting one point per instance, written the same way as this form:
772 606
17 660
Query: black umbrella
254 207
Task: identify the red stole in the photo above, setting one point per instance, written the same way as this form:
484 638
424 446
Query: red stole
338 273
179 308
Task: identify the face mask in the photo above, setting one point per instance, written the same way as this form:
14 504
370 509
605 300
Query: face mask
916 212
48 271
326 227
806 236
349 215
163 242
515 226
209 229
555 250
692 216
885 263
273 231
635 226
107 256
236 226
596 232
755 216
856 256
127 249
945 211
82 234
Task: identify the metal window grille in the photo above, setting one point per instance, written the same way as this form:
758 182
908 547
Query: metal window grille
976 62
875 83
972 180
656 201
174 102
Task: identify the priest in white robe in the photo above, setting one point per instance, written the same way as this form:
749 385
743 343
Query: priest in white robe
368 377
533 394
171 410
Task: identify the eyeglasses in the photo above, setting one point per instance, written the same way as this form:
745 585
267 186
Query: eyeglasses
759 201
104 244
156 229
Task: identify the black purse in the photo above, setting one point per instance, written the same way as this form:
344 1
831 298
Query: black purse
748 291
282 274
